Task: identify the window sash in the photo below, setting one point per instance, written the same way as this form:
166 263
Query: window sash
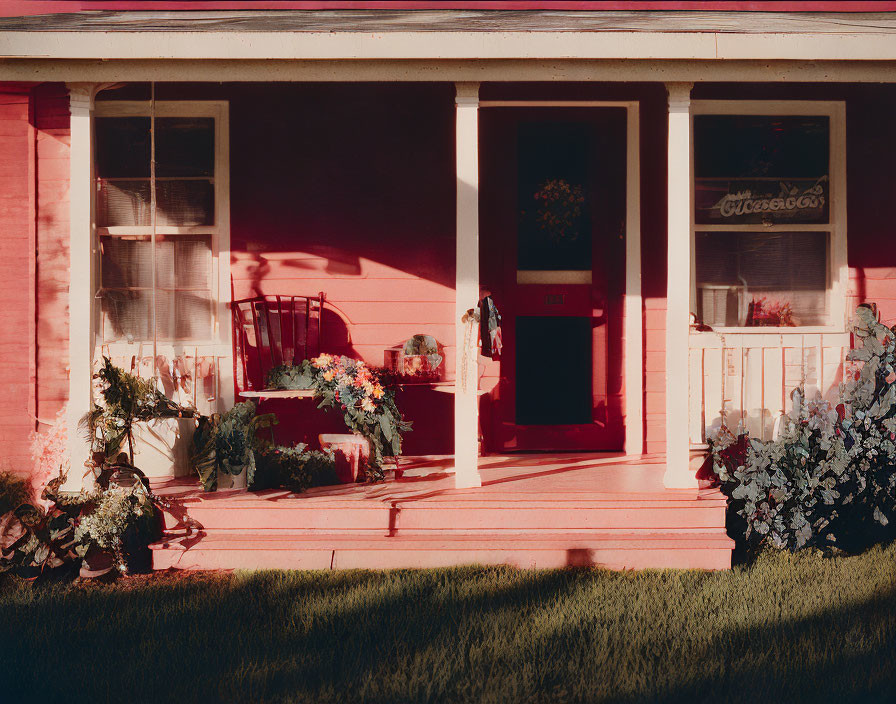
217 230
835 227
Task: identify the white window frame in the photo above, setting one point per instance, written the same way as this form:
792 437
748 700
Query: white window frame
838 270
219 345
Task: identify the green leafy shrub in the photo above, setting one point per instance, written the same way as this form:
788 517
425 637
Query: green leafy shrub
14 491
295 468
829 479
127 399
117 520
225 443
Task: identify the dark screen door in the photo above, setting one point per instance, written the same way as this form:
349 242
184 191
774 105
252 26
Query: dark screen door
553 224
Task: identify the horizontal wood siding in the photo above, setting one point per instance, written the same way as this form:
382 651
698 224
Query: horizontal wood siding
349 190
16 267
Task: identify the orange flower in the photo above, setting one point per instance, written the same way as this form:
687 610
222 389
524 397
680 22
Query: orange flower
329 374
324 360
378 391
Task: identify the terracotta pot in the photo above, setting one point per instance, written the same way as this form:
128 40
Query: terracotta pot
351 451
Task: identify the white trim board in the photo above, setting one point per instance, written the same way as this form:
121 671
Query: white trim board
447 45
448 70
633 344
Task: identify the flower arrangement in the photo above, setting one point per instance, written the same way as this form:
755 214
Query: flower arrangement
829 479
558 208
367 401
111 517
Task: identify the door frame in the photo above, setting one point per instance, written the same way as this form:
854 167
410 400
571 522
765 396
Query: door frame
632 331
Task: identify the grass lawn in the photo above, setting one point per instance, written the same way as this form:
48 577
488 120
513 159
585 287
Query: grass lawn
787 629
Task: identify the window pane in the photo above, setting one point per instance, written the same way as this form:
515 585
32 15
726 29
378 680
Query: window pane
541 403
127 315
178 203
126 262
183 294
185 203
122 203
758 146
193 315
122 147
761 169
185 146
554 225
762 278
193 262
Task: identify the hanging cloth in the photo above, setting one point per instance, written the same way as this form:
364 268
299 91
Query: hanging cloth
490 328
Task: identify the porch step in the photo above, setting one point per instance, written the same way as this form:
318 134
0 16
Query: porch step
710 549
277 511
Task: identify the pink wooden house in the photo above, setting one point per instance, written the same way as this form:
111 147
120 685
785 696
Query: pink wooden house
675 206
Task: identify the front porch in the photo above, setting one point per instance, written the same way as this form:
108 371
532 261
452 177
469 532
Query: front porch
545 510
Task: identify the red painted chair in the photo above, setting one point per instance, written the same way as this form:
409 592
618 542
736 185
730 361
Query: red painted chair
272 330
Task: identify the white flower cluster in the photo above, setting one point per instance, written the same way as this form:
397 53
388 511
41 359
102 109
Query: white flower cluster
114 511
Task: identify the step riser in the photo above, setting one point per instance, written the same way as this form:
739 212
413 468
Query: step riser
322 559
414 519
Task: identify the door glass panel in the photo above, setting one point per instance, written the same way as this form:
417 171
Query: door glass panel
545 346
553 215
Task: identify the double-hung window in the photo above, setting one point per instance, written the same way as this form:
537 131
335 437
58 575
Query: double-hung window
162 232
769 215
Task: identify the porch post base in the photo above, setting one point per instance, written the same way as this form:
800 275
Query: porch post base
467 478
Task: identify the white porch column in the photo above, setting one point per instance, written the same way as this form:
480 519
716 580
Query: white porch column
81 282
466 408
678 288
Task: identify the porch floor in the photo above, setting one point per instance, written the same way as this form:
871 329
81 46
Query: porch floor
533 510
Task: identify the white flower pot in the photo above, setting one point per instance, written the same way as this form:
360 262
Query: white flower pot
231 481
162 447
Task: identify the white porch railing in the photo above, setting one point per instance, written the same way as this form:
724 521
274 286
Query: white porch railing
749 377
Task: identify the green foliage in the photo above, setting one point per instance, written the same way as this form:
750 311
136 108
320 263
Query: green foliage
225 442
14 491
365 398
126 399
292 377
829 479
294 468
116 519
